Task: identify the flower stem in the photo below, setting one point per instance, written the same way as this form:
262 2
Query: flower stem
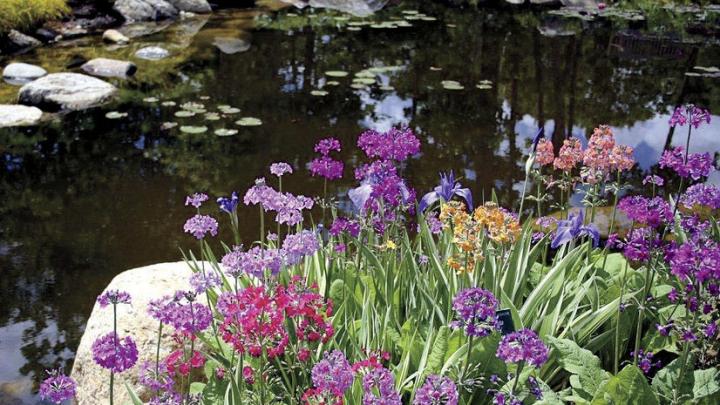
517 377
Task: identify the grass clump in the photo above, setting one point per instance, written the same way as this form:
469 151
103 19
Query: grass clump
21 14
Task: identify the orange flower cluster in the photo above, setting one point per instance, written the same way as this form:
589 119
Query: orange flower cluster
489 220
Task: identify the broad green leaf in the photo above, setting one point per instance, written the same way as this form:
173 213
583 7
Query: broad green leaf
629 387
437 355
133 396
586 367
707 386
666 381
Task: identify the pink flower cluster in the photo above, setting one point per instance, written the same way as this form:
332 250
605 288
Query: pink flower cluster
288 207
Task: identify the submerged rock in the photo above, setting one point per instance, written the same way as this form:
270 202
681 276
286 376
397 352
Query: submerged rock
231 46
115 36
109 68
18 115
152 53
143 284
18 41
143 10
66 91
21 73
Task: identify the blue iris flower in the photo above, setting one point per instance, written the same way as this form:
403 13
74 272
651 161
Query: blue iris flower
573 228
446 190
228 204
536 139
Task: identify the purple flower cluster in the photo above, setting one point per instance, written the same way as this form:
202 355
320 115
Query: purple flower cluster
395 144
698 164
695 262
228 204
113 297
181 312
57 387
645 361
327 145
504 398
327 167
287 206
652 212
437 390
475 309
690 114
201 225
523 345
114 353
155 380
196 199
379 388
201 282
654 179
254 262
280 169
701 195
381 186
341 224
638 244
299 245
333 374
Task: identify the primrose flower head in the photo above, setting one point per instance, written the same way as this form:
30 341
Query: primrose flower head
437 390
327 145
114 353
523 345
201 225
569 156
395 144
545 152
196 199
691 114
476 312
280 168
57 388
113 297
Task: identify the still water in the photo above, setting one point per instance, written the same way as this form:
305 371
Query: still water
85 197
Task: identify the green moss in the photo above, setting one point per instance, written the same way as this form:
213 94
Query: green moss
20 14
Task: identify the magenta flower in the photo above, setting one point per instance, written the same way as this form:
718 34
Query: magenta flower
114 353
113 297
155 381
654 179
475 309
297 246
690 114
645 361
333 374
341 224
697 165
57 387
327 145
379 388
196 199
202 282
652 212
327 167
396 144
437 390
280 168
701 195
523 345
200 225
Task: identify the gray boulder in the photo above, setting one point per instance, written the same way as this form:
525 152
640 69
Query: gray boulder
358 8
18 40
115 36
145 10
21 73
109 68
231 46
66 91
143 284
193 6
18 115
152 53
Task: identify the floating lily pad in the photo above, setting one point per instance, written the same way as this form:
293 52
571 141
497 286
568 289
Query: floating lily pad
452 85
410 12
184 114
190 129
484 86
226 132
336 73
319 93
403 24
451 25
711 69
354 29
387 88
332 83
358 23
194 107
364 80
168 125
151 99
229 111
358 86
212 116
435 69
204 97
488 82
692 74
249 122
169 104
115 115
428 18
342 18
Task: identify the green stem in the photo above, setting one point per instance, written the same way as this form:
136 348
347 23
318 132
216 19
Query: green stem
617 318
262 226
467 358
157 351
517 377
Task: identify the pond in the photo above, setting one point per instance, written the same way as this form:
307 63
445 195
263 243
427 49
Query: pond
90 194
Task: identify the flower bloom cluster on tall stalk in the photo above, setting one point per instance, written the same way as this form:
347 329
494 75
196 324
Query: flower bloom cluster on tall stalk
325 166
437 390
694 165
57 387
690 114
288 207
475 310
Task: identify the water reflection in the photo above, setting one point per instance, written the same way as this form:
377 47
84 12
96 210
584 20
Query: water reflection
86 197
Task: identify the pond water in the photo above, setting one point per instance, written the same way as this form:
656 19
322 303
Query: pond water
85 197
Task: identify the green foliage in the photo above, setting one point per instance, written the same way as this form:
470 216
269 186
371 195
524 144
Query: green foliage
20 14
629 387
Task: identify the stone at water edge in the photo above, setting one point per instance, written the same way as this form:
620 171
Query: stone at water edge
152 53
18 115
115 36
22 41
21 73
231 46
66 91
145 10
192 6
109 68
143 284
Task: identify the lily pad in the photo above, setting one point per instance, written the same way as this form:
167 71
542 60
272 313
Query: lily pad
212 116
168 125
452 85
319 93
228 109
204 98
190 129
226 132
336 73
387 88
168 104
332 83
710 69
484 86
358 86
428 18
184 114
194 107
249 122
115 115
410 12
364 80
354 28
151 99
364 73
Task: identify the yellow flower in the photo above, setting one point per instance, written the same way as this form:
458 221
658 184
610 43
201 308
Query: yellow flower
390 245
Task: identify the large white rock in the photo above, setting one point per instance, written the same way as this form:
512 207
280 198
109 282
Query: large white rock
152 53
109 68
144 10
143 284
66 91
193 6
18 115
21 73
115 36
